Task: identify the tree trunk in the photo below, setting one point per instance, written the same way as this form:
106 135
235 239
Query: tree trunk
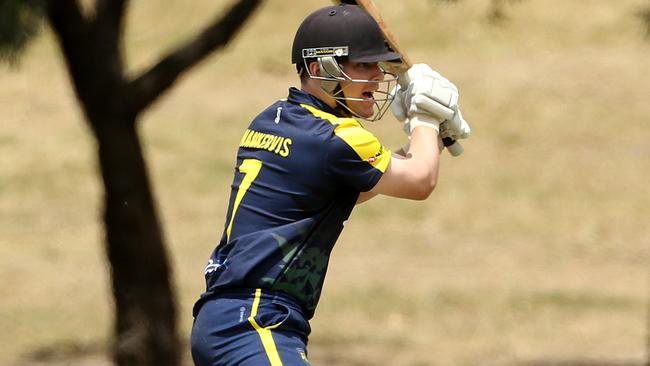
146 317
145 323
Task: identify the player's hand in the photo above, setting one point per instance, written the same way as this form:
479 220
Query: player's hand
429 97
411 117
430 93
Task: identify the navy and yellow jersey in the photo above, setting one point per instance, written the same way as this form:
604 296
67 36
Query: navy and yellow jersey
299 172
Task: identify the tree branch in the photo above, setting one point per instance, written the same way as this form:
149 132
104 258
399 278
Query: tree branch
111 12
92 54
66 18
149 86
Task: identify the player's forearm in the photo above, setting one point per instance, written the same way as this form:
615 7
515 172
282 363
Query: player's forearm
399 153
414 176
424 156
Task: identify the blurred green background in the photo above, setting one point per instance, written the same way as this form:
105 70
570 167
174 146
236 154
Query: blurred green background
533 248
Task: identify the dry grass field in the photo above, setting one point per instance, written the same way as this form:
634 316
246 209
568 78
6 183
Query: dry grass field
534 249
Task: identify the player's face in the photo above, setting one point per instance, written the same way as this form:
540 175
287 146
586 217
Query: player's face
361 71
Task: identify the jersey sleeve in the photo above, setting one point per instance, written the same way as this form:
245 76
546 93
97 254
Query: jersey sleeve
355 156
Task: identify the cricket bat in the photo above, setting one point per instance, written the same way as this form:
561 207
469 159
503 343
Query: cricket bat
401 67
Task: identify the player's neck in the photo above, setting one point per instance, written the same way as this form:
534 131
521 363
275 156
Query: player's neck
313 87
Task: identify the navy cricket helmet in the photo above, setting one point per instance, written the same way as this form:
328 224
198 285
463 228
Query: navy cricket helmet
336 34
341 31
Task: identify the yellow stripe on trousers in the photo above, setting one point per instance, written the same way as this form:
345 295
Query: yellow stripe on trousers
265 333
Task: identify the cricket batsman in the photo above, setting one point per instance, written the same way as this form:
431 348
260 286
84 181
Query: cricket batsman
302 165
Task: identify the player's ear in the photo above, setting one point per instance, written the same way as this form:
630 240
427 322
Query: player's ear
314 68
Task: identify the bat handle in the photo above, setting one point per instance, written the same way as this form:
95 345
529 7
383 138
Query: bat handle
454 147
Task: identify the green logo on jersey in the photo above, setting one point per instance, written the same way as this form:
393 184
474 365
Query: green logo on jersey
302 277
302 271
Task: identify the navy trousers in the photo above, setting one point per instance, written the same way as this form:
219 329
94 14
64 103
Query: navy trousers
250 328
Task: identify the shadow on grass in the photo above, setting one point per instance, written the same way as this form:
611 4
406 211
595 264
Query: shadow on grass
62 351
77 353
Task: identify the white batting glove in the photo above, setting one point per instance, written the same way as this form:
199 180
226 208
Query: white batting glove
399 109
400 106
456 128
422 119
407 130
411 117
430 93
429 97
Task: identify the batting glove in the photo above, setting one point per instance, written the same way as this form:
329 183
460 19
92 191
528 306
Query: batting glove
430 93
430 100
411 117
456 128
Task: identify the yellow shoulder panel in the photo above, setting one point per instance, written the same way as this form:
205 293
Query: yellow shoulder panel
362 141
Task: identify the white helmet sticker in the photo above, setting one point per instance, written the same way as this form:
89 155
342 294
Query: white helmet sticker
325 51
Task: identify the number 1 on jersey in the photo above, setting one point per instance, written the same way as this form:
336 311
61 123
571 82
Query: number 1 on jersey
250 168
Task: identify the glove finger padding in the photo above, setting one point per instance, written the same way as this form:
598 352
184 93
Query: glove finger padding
422 104
430 83
431 100
433 89
430 93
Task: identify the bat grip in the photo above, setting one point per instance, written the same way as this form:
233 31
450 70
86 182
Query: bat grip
454 147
